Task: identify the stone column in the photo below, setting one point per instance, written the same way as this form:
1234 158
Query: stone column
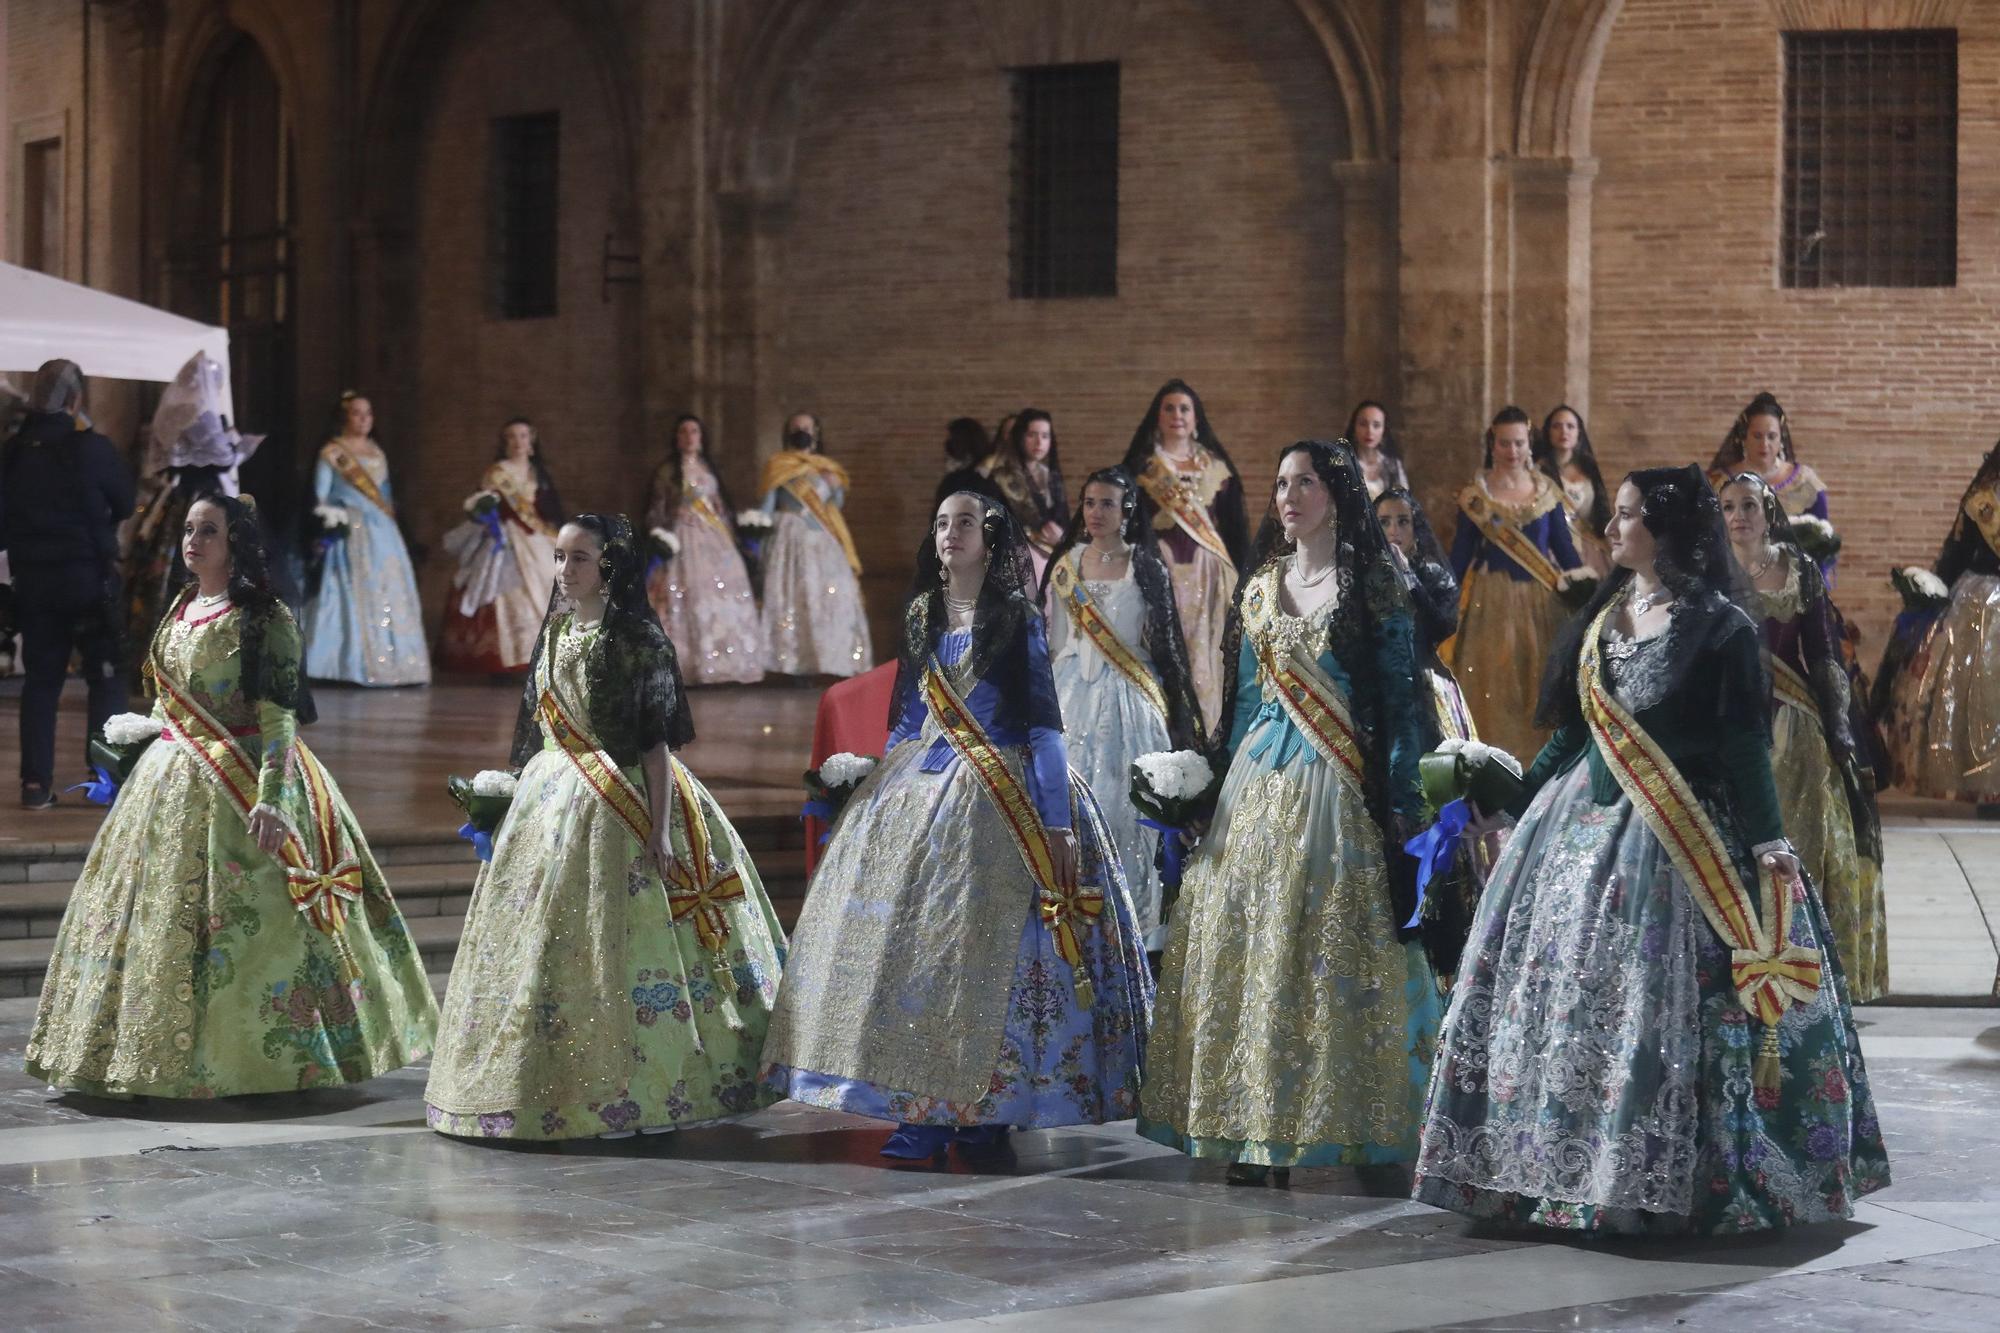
1445 225
1369 319
1549 282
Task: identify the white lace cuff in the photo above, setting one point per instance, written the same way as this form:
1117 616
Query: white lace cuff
1764 849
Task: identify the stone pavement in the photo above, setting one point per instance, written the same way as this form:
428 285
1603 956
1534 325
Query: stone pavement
338 1210
1942 878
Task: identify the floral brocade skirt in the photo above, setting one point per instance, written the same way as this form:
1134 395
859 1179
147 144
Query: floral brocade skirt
182 968
1820 823
1496 657
577 1006
1948 699
924 986
1595 1068
1292 1028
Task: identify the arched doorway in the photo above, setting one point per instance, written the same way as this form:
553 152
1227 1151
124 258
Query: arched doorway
230 252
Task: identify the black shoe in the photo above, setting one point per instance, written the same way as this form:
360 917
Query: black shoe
34 796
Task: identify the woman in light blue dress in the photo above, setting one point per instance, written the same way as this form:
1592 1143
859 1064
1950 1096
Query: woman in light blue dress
363 622
967 959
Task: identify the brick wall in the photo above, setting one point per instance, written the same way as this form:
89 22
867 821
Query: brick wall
573 374
1893 394
894 289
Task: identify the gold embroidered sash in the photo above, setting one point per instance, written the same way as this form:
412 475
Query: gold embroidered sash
698 504
699 886
1312 700
1090 622
520 501
794 471
1066 908
572 736
322 871
1983 509
350 468
1174 497
1515 543
1314 704
1769 973
1790 689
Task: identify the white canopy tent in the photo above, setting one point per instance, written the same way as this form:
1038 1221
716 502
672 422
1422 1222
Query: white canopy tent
42 318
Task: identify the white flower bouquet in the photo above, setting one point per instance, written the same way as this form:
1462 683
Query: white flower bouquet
1459 769
1174 790
1576 587
753 522
665 545
485 797
1921 589
116 752
1815 536
829 785
334 520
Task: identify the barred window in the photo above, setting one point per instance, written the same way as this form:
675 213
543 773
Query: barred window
1871 159
521 180
1063 233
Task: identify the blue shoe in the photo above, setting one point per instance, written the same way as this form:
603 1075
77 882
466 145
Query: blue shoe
915 1143
982 1138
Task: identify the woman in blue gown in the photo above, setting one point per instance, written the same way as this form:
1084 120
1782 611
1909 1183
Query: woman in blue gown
967 959
363 623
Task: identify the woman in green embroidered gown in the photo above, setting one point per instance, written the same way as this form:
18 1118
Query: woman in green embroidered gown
620 959
184 966
1295 1023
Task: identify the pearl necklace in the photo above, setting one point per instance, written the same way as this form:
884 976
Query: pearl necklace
216 600
955 608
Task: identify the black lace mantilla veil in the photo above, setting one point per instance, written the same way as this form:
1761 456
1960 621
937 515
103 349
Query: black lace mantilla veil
1164 642
637 700
1231 518
1713 600
1006 607
1363 565
1433 587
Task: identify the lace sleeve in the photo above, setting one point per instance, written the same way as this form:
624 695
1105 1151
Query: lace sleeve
1167 646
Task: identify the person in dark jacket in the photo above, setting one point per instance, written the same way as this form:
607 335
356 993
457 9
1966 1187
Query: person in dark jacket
63 492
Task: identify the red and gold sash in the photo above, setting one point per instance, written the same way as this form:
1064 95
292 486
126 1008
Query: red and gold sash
1497 529
1769 972
520 501
572 736
699 887
322 871
1067 585
349 467
1177 499
1310 699
795 471
1982 510
1066 908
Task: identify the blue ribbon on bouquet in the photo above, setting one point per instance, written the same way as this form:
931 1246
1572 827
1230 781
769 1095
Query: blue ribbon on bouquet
822 811
101 790
490 520
1435 848
482 843
1170 842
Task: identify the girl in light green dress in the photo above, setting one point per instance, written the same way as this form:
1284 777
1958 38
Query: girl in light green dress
230 932
620 958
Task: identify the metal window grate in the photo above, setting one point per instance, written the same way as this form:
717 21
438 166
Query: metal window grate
521 182
1063 232
1871 159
